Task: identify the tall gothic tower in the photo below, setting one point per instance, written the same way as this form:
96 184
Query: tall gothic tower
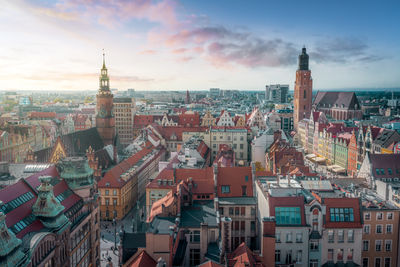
105 121
302 90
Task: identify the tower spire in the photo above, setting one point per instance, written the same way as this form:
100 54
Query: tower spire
104 59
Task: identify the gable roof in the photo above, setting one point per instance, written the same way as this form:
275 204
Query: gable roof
143 259
243 256
343 100
235 177
385 162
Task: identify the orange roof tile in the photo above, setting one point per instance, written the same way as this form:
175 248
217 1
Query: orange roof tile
143 260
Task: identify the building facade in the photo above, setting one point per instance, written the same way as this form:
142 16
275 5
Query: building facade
124 112
277 93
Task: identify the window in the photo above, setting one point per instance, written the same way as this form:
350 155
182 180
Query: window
277 256
378 245
390 215
389 228
379 229
367 216
114 201
313 263
377 262
366 229
195 236
107 202
314 245
365 245
331 236
330 254
115 192
194 257
340 236
242 225
388 245
341 214
277 237
244 190
299 237
350 236
350 253
230 211
365 262
214 138
379 216
390 171
339 254
253 211
289 237
287 215
241 146
299 255
387 262
107 192
237 211
225 189
252 225
243 211
221 211
246 178
241 138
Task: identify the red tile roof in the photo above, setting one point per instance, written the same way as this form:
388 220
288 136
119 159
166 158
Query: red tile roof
211 264
143 260
235 177
112 177
203 179
293 201
243 257
29 185
42 115
342 203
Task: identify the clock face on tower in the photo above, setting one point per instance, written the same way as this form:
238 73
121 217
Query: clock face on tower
102 112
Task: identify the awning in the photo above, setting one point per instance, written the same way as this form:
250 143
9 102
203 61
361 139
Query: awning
310 156
339 170
319 159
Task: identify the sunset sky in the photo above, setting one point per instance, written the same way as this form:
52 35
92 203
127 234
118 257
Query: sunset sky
179 45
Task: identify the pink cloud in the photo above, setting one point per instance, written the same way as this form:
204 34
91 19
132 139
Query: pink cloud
179 51
147 52
113 13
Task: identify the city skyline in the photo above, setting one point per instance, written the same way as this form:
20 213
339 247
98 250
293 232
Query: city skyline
172 45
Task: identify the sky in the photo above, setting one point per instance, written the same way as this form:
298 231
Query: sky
198 44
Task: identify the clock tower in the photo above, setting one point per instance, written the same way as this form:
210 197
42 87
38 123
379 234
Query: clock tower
105 121
302 90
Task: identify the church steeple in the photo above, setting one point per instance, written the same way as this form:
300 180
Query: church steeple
104 61
104 79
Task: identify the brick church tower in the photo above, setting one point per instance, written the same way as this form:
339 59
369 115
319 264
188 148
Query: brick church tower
302 90
105 121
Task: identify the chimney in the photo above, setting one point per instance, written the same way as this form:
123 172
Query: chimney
277 135
268 241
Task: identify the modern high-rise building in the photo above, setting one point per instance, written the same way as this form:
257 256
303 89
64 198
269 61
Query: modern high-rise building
277 93
105 121
124 111
302 90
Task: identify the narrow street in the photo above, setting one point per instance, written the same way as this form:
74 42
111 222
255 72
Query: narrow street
110 234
